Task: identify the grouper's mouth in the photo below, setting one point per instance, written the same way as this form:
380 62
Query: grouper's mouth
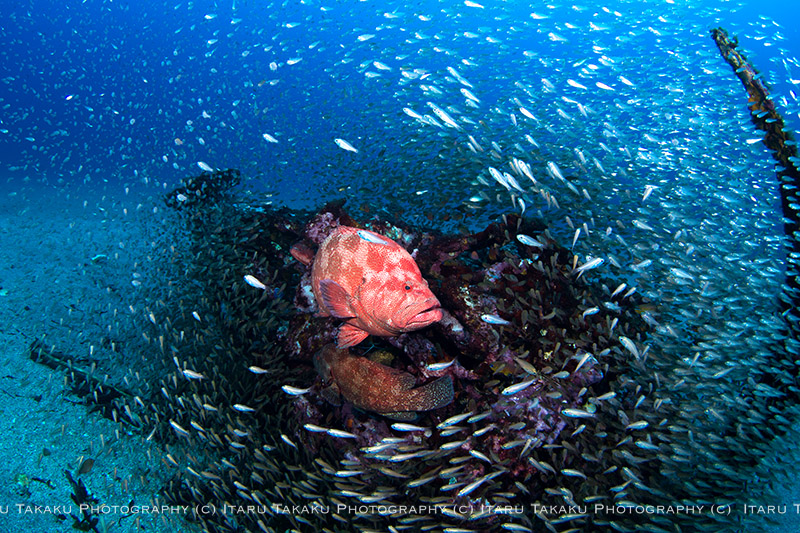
431 312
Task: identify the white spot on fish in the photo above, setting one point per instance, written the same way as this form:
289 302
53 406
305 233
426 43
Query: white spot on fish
204 166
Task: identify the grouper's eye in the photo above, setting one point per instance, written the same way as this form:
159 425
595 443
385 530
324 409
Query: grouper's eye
408 287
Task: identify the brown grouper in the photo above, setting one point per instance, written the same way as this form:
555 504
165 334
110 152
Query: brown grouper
378 388
370 282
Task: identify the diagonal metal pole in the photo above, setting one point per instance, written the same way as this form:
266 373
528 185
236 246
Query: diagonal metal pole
784 150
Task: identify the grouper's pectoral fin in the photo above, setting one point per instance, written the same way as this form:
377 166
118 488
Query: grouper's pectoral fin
332 395
335 299
350 335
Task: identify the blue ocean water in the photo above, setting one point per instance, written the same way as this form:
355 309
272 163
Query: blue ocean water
623 111
106 90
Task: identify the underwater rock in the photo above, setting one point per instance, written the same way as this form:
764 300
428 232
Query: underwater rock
488 273
503 394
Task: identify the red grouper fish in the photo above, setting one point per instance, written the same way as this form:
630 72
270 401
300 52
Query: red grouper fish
370 282
378 388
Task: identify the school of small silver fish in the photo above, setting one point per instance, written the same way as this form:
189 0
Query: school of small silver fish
616 125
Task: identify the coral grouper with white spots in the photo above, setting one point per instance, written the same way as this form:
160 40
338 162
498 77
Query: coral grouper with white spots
372 283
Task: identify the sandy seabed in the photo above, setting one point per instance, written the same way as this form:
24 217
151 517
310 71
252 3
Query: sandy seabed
64 260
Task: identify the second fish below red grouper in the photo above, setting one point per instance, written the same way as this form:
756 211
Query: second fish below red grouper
378 388
370 282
